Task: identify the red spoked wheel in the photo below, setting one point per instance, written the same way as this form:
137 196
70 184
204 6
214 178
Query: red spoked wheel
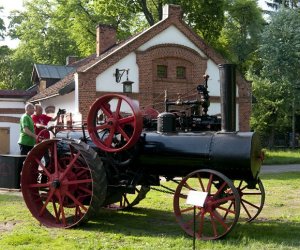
42 135
63 182
114 123
128 200
252 199
221 208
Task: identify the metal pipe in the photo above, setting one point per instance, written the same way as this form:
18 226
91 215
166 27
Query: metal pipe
228 97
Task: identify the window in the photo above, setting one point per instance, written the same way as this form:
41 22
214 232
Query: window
180 72
162 71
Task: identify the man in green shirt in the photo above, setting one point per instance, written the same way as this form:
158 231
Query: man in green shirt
27 137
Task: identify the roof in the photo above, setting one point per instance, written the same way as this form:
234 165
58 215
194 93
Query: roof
16 94
51 71
63 84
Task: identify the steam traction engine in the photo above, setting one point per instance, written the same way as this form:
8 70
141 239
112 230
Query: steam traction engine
122 153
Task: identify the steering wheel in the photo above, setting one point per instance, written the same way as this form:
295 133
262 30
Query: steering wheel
42 135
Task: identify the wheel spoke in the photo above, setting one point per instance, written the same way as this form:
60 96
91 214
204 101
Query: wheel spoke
208 188
81 172
102 127
69 166
109 139
123 133
42 166
249 203
50 195
78 182
187 209
55 212
251 194
201 183
221 200
55 159
186 185
118 108
39 185
61 208
227 210
213 224
106 110
77 202
220 189
201 224
88 191
246 210
219 219
126 120
125 201
183 196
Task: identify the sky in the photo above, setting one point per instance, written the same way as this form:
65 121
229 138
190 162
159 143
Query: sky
10 5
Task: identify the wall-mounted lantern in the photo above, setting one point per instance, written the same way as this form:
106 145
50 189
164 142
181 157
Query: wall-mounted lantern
127 85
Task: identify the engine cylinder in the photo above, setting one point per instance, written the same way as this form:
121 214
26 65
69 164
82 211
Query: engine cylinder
166 122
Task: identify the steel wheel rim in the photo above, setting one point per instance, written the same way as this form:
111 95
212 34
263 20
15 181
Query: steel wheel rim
221 207
63 197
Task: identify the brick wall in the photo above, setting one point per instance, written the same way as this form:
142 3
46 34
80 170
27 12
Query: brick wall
152 87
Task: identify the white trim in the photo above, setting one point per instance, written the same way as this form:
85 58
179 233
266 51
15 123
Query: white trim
44 98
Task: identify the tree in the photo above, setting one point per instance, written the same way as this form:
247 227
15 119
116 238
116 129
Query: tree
280 47
240 35
2 26
270 111
276 4
280 59
205 17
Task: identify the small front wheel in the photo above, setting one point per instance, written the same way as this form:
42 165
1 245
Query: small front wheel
220 210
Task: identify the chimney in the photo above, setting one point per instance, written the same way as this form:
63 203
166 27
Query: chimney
71 60
106 38
172 11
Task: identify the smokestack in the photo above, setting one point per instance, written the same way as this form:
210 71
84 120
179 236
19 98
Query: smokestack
228 97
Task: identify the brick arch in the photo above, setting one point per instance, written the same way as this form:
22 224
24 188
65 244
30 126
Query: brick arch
152 88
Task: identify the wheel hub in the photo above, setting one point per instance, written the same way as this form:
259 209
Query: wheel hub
56 184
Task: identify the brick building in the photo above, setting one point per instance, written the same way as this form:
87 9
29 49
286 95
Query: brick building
12 104
167 56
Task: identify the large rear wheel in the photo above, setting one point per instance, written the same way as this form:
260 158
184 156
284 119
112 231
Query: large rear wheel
63 182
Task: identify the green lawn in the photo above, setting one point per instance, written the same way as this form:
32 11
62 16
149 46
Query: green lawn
282 157
151 225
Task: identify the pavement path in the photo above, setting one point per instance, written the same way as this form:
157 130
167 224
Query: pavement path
280 168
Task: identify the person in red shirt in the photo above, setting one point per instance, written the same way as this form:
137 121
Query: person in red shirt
41 120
